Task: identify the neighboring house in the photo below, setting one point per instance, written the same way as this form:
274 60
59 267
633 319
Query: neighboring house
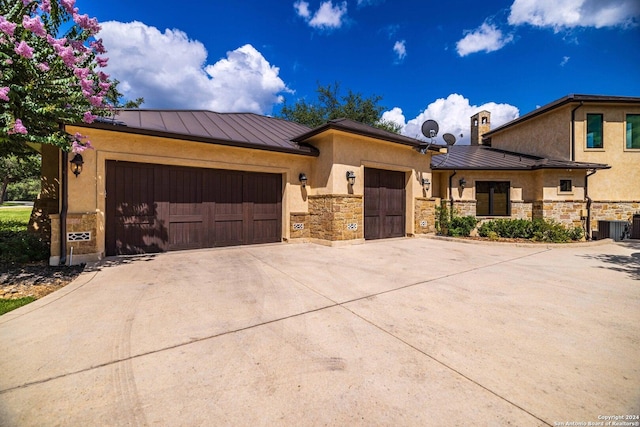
575 160
170 180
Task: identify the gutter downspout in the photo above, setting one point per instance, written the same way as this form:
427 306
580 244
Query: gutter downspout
451 192
589 201
64 208
573 132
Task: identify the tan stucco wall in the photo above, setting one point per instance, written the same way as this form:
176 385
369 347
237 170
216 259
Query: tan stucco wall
87 192
549 135
340 152
622 181
528 186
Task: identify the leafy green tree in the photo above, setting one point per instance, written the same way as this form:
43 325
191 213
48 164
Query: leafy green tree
332 105
116 99
49 78
14 168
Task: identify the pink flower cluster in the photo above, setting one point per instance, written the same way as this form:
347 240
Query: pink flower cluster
7 27
18 127
34 25
23 49
4 93
78 145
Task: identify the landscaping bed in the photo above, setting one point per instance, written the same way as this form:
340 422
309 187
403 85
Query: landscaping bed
35 279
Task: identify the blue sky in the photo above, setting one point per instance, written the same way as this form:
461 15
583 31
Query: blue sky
442 60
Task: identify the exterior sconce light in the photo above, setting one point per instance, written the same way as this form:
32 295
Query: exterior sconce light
351 178
426 184
76 164
463 183
303 179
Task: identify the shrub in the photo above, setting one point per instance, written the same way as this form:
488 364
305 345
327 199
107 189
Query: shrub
453 225
539 230
461 226
17 245
508 228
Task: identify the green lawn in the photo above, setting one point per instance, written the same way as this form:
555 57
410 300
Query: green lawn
7 305
15 214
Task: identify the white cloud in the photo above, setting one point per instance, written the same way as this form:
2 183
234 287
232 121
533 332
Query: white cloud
453 115
302 9
564 61
395 116
487 38
244 81
327 17
365 3
400 50
561 14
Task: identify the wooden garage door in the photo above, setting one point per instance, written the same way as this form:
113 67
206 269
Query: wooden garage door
154 208
384 204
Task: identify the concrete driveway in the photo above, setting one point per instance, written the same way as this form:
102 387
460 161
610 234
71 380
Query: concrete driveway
398 332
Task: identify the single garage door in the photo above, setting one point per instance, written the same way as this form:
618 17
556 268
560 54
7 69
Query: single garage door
384 204
155 208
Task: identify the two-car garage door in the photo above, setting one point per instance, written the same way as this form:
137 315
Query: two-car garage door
154 208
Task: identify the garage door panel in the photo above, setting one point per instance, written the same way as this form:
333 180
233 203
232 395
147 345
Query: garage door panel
384 204
229 233
153 208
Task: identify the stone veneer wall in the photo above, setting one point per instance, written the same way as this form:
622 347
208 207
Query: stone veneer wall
76 223
613 211
521 209
425 215
300 225
567 213
463 207
336 217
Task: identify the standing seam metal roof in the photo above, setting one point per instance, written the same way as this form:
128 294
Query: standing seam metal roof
478 157
235 129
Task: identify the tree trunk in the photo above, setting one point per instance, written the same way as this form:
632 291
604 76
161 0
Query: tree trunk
3 193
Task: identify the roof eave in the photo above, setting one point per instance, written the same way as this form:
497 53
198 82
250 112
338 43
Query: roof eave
335 126
569 99
308 150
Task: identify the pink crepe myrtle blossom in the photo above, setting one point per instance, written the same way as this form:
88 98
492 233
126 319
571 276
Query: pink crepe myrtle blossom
43 66
7 27
86 23
88 117
86 85
78 146
24 50
97 46
4 92
81 73
102 62
45 6
34 25
68 5
18 127
96 101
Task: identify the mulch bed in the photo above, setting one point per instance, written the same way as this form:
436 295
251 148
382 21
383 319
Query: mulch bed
35 279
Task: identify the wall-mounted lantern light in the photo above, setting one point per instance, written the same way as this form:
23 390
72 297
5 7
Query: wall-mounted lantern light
303 179
426 184
463 183
76 164
351 178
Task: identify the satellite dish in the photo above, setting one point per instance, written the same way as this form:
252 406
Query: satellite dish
449 138
430 128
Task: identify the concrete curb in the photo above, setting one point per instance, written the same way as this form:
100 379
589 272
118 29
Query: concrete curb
520 244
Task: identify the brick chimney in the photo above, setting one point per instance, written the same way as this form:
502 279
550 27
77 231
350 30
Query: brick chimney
480 124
